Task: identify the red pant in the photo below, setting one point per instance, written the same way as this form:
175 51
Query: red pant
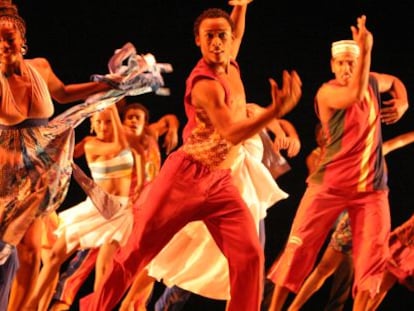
370 223
185 191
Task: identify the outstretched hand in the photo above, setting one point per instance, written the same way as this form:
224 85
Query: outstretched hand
286 98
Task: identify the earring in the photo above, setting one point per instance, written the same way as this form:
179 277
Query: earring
24 49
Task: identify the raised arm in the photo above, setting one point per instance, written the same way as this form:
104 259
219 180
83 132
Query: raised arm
238 16
96 148
343 96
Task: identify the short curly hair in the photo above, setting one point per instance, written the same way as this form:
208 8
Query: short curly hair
211 13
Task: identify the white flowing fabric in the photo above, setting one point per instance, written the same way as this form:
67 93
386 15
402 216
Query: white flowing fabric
84 224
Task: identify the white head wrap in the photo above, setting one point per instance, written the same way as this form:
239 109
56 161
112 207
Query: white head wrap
345 46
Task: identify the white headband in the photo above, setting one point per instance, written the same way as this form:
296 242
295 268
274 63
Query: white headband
345 46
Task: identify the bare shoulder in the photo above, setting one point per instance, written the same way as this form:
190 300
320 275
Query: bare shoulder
41 64
385 81
87 140
320 95
323 101
323 90
92 145
207 85
207 91
254 107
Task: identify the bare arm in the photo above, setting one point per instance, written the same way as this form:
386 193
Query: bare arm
118 128
238 16
288 128
140 174
95 148
66 93
167 125
341 97
286 136
273 125
79 149
398 104
293 142
397 142
209 94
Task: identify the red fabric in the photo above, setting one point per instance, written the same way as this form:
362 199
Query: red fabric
401 263
75 278
185 191
352 158
201 70
317 212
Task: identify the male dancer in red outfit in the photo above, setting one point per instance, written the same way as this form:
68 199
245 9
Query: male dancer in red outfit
195 181
350 175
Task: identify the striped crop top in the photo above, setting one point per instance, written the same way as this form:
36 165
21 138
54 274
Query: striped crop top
117 167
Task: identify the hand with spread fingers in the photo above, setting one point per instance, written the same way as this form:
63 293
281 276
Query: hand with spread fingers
361 34
286 98
394 110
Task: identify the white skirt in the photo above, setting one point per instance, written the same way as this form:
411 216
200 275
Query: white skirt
84 224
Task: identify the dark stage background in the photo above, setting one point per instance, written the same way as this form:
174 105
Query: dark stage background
79 37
